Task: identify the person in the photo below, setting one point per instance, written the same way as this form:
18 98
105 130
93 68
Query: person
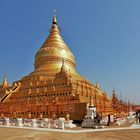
98 118
136 117
108 122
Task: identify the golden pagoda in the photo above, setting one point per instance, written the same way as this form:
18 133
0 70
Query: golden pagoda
54 87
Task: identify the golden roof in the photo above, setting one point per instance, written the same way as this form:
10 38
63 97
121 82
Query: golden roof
53 51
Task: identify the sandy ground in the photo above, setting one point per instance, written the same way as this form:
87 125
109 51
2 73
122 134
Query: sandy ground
21 134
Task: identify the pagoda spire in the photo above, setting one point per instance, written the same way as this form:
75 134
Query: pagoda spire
54 17
5 82
63 68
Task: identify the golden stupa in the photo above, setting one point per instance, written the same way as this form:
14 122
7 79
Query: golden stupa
54 87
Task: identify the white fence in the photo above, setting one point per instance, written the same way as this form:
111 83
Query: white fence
59 123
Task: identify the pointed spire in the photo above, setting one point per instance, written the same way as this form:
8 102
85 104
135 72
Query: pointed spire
5 82
114 92
54 17
63 68
97 84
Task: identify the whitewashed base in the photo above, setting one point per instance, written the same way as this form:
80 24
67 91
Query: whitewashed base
69 124
59 123
19 122
7 121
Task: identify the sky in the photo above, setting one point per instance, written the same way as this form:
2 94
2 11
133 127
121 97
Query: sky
103 35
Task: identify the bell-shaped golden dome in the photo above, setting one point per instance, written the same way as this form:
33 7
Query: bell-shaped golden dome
53 51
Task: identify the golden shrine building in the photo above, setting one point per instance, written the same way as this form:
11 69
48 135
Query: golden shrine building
55 87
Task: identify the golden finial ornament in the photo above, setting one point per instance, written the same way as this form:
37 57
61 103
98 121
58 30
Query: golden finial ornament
63 68
67 116
2 115
40 116
54 116
29 115
54 17
5 82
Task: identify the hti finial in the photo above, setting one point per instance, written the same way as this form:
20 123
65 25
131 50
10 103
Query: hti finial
54 12
5 77
54 17
63 68
114 90
5 82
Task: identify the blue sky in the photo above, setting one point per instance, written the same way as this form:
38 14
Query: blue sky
104 36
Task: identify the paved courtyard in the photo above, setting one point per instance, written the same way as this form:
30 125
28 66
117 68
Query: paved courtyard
28 134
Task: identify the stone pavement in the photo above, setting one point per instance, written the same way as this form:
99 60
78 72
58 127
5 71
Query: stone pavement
134 126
